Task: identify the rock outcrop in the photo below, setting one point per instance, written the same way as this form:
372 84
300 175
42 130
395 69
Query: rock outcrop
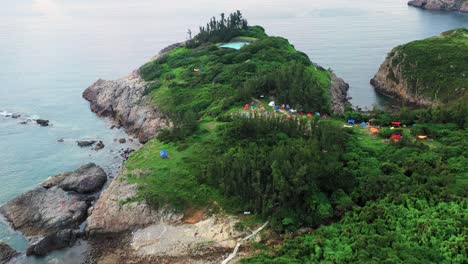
448 5
426 72
389 81
339 94
87 179
114 213
6 253
42 211
124 101
60 203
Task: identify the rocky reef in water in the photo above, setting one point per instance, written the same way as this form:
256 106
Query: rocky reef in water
51 214
447 5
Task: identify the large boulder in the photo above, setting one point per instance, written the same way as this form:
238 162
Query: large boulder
87 179
57 240
6 253
114 214
43 211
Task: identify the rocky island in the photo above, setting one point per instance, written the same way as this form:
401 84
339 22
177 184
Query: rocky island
252 153
446 5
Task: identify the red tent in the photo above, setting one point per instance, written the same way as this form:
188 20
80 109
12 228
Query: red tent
288 117
395 123
309 115
396 137
246 107
325 116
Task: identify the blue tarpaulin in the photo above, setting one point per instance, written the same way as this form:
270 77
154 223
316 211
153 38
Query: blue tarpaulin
163 154
351 121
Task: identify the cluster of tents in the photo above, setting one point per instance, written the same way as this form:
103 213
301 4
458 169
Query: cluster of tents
395 137
285 108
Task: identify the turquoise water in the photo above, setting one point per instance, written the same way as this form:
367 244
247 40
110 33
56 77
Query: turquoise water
51 50
234 45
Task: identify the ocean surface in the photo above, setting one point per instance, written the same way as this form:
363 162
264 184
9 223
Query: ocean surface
51 50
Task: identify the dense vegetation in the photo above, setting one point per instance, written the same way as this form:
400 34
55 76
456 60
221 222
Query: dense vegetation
220 31
436 67
408 204
370 200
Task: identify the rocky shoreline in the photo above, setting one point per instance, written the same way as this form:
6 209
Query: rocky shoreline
446 5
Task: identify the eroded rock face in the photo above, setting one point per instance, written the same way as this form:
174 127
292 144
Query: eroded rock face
87 179
6 253
164 239
124 101
41 211
448 5
339 94
113 214
390 82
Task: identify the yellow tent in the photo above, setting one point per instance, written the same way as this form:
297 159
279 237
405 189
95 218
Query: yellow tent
422 136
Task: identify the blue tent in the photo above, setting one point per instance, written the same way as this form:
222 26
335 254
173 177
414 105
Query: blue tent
277 107
363 124
163 154
351 121
317 114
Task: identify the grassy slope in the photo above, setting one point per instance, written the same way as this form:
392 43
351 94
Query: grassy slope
437 67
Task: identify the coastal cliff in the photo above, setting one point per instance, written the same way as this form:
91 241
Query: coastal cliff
426 72
125 102
447 5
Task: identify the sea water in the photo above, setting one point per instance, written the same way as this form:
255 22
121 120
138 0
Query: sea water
51 50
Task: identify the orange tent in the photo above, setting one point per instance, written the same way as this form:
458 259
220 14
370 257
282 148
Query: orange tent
374 130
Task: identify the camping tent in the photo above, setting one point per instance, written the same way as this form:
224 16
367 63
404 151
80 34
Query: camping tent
351 121
395 123
163 154
396 137
246 107
374 130
422 136
309 115
363 124
288 117
272 104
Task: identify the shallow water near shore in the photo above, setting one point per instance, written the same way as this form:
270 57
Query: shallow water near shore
51 50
